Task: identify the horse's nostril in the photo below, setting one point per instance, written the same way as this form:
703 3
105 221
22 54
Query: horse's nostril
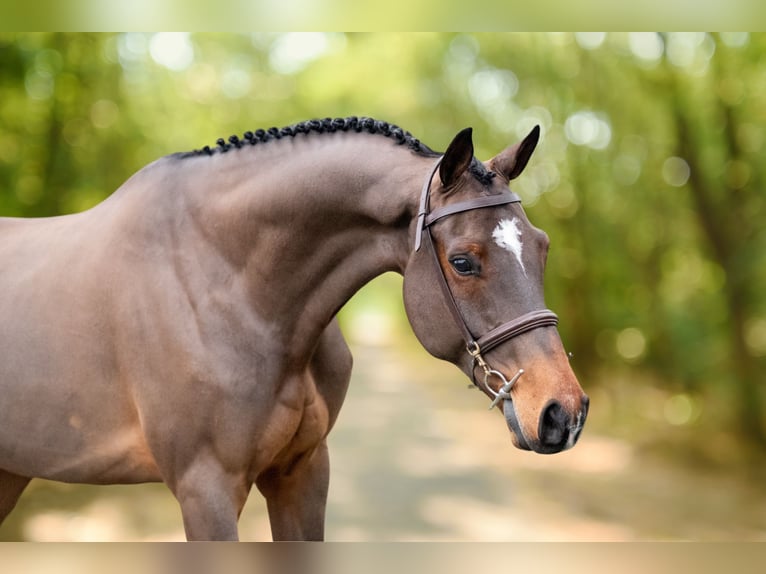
554 425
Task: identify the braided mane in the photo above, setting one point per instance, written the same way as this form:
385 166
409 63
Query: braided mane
327 125
331 125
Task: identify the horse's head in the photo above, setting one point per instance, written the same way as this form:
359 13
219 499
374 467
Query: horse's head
473 291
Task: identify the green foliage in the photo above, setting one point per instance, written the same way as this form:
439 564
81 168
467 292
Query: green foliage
649 178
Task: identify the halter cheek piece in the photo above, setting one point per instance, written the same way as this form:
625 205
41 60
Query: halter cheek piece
476 346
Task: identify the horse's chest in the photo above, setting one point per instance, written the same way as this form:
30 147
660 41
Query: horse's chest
298 423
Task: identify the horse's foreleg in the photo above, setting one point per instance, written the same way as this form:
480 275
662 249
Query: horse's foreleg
211 501
11 487
296 499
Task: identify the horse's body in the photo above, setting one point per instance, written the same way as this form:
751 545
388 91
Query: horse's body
183 330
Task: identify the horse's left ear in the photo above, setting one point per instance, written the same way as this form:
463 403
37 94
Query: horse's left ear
512 161
457 158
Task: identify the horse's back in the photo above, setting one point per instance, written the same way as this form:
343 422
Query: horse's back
41 261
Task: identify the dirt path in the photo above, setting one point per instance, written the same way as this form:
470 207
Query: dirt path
434 465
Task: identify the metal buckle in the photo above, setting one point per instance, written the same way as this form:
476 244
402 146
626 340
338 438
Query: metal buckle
505 390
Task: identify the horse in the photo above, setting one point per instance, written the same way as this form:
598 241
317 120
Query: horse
184 329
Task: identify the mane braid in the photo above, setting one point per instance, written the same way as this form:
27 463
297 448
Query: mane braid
480 172
327 125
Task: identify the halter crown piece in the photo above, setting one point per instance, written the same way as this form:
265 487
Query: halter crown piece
476 346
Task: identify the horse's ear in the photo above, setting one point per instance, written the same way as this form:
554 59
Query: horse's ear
512 161
457 158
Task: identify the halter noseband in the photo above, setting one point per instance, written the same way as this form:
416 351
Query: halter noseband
476 346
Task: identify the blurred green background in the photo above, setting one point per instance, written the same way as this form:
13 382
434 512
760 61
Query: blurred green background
648 178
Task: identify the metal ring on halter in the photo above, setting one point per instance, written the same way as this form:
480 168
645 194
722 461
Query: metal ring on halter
505 390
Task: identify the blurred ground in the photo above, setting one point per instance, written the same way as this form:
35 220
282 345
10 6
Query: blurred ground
417 456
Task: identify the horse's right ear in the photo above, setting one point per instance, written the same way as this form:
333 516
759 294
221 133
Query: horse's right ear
512 161
457 158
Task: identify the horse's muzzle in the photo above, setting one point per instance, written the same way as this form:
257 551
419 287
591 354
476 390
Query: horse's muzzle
558 429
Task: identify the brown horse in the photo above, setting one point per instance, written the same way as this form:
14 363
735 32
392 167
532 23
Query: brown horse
184 329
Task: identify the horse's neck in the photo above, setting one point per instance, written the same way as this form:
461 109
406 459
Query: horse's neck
306 223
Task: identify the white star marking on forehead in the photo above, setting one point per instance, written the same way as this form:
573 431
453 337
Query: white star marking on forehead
507 235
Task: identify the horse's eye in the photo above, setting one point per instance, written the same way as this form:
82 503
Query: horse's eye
462 265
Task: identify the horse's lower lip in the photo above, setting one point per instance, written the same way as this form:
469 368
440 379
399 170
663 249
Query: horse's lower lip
513 424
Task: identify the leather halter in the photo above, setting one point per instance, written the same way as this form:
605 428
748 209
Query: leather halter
476 346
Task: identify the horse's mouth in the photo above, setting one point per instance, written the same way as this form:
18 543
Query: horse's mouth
519 439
